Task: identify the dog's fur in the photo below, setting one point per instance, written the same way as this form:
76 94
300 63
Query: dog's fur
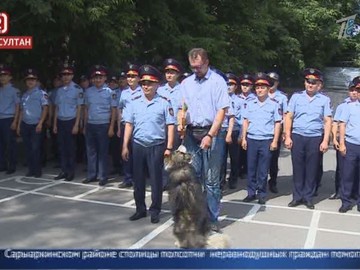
188 205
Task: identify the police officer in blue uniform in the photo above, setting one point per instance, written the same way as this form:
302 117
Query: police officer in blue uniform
99 119
232 125
260 136
246 94
127 95
9 114
115 145
34 110
281 98
149 120
68 104
204 95
307 129
349 139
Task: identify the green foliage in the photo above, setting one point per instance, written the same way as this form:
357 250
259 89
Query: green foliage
282 35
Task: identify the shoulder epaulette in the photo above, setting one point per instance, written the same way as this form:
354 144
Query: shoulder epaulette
282 92
77 86
136 97
298 92
164 98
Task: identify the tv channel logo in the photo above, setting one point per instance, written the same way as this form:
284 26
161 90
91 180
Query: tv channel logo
4 23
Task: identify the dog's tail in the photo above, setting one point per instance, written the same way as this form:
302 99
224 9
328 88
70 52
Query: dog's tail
218 241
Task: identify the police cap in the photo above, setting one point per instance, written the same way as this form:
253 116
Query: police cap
232 78
133 70
31 73
67 69
313 75
355 82
246 79
5 69
172 64
274 76
149 73
263 79
98 70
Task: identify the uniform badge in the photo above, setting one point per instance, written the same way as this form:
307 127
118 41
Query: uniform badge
245 104
280 111
114 96
146 68
171 111
81 95
312 71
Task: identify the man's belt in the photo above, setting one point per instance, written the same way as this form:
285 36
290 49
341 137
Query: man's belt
191 127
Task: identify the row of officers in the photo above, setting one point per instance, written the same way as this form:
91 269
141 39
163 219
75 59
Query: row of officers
209 112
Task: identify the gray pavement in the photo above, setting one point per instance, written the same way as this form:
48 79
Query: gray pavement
44 213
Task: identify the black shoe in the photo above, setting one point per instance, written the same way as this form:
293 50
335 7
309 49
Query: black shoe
294 203
3 169
336 196
309 205
232 185
344 209
29 174
137 216
10 171
249 198
261 201
86 181
124 185
155 218
273 189
69 177
103 182
61 175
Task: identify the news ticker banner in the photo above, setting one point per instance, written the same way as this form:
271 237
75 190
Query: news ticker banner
179 259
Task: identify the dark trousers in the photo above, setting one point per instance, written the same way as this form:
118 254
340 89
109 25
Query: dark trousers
97 147
234 152
115 152
258 155
127 165
274 164
305 157
350 173
243 162
151 158
338 172
67 146
32 142
7 145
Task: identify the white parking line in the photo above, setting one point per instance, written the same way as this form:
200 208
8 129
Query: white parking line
250 215
86 193
146 239
26 192
311 236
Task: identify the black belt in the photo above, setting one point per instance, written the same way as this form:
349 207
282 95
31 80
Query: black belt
191 127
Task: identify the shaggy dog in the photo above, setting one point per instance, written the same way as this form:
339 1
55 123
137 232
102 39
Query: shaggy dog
188 205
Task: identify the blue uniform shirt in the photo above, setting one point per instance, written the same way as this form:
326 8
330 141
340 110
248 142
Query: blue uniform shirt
52 96
281 98
9 97
67 99
234 109
99 102
262 117
172 94
149 119
339 109
351 117
308 118
127 95
32 103
244 100
204 98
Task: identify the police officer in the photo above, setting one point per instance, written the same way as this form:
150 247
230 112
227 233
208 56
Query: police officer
115 145
68 104
173 69
9 114
34 110
146 117
246 94
281 98
335 136
232 124
349 130
99 119
127 95
205 96
122 81
260 136
307 129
